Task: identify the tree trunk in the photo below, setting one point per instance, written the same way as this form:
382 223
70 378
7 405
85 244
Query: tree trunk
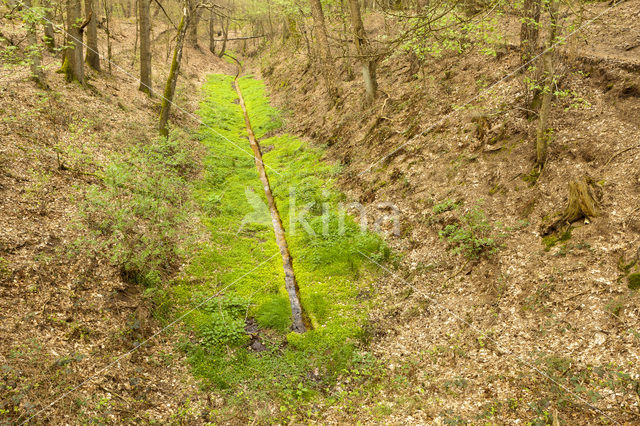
193 28
225 36
93 57
170 88
72 66
137 22
33 49
107 30
49 35
529 30
362 46
212 35
145 47
529 34
126 8
326 60
285 30
542 137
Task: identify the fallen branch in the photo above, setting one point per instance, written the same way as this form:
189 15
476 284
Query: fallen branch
242 38
300 321
622 151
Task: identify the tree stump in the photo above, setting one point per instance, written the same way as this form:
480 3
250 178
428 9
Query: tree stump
581 205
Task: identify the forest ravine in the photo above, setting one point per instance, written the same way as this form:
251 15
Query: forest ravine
457 182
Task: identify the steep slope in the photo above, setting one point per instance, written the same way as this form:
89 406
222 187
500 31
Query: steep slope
71 314
485 318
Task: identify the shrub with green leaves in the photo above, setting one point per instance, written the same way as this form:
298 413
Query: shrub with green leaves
139 214
445 206
440 31
235 306
634 281
473 236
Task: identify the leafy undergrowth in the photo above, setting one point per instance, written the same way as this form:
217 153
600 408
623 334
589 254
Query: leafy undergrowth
139 212
234 288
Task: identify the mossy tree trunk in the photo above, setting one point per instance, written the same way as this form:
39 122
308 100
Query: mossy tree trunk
326 61
170 87
72 66
368 62
542 133
93 57
145 46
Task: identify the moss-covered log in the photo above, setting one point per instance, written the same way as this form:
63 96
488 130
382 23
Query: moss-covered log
300 320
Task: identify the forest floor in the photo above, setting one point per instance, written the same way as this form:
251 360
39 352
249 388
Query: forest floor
70 318
530 330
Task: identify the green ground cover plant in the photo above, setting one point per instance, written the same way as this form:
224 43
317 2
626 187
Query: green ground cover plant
236 279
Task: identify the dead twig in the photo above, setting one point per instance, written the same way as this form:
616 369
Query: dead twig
622 151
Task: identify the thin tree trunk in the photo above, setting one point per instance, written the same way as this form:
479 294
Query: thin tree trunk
529 34
285 30
529 30
145 47
33 48
126 8
93 57
347 63
271 30
107 30
362 46
225 36
137 22
170 88
542 137
212 35
72 67
326 60
49 35
156 12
